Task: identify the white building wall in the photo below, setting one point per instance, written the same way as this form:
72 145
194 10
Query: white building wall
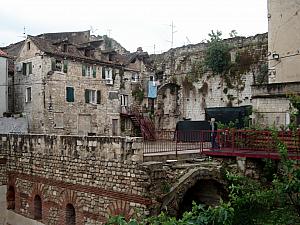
3 85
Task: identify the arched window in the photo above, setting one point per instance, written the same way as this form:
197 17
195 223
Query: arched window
37 207
70 215
10 198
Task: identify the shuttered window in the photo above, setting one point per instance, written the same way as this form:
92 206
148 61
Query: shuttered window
65 67
70 94
94 71
83 70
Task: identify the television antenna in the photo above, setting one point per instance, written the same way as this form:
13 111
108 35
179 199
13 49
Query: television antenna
24 35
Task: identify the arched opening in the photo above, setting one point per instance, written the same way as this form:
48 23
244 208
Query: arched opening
10 198
205 192
37 203
70 215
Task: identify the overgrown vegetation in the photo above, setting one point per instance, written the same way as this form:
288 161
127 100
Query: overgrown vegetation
138 94
274 200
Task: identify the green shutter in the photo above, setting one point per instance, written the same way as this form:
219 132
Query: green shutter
114 74
87 96
30 67
53 64
83 70
103 72
65 69
24 68
70 94
98 97
94 71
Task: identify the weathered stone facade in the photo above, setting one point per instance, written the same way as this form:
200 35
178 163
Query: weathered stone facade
93 174
184 95
96 86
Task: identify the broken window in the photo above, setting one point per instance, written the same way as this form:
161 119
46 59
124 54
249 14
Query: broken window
27 68
70 94
135 78
59 65
28 96
92 96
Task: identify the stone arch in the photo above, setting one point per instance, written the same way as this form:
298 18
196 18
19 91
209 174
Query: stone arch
120 208
71 208
187 189
37 208
11 197
205 191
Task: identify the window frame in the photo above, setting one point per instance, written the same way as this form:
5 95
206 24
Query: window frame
28 98
73 89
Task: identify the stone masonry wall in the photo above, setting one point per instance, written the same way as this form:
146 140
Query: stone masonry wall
99 176
190 97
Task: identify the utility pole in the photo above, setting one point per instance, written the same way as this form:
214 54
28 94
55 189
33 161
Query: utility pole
154 49
172 33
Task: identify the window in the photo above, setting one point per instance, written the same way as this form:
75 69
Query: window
28 94
28 45
37 207
70 215
92 96
107 74
27 68
10 198
70 94
124 100
59 65
135 78
89 71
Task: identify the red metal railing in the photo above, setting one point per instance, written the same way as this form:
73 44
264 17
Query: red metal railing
245 143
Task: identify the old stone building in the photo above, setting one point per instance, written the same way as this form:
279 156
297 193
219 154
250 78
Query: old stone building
271 102
3 83
68 84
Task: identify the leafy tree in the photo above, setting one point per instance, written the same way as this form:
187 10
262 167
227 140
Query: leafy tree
217 55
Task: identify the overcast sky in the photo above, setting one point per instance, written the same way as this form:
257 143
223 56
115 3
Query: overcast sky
134 23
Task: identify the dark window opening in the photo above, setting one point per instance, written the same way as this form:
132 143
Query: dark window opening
28 45
37 207
10 198
70 215
87 52
110 57
70 94
65 48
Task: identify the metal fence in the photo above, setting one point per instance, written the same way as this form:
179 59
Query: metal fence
224 142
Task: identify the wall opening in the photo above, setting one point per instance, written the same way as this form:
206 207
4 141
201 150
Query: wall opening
10 198
70 215
205 192
37 208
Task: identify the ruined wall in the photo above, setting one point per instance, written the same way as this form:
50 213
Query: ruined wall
91 173
199 88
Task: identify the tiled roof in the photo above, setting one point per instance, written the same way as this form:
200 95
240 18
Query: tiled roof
3 54
72 52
